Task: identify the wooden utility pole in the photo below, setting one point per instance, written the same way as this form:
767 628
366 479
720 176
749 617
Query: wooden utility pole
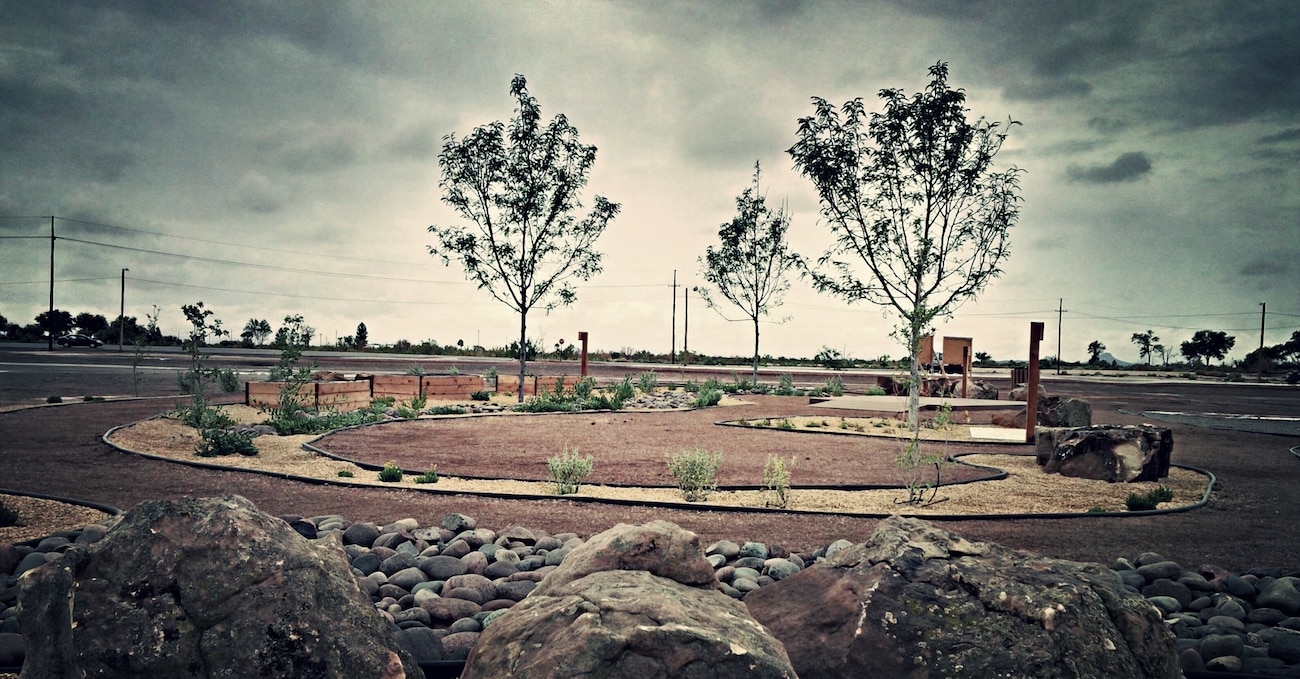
50 317
1031 386
672 353
1263 312
121 314
1060 312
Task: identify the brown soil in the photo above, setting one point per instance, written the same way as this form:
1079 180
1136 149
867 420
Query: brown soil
1250 520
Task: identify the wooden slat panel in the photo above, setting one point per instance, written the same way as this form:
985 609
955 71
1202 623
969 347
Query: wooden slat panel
401 387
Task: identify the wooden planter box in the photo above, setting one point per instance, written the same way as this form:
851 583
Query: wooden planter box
509 384
451 386
399 387
351 395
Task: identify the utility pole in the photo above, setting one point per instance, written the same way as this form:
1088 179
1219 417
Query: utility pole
672 353
1263 312
686 323
1060 312
51 315
121 314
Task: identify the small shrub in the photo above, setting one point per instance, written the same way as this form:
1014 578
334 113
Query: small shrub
776 476
544 403
92 399
430 476
707 398
228 381
446 410
694 471
648 382
53 399
844 424
480 396
625 390
453 370
222 442
347 474
603 402
203 417
415 370
391 473
1149 500
568 470
785 424
814 424
786 385
876 390
382 402
834 386
1096 509
582 390
8 517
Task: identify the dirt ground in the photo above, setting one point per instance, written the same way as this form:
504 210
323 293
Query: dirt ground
1250 520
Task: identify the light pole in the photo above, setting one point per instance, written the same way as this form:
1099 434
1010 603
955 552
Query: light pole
121 314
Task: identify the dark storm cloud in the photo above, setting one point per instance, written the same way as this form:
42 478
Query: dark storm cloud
1106 125
1276 266
1042 88
1126 168
1292 134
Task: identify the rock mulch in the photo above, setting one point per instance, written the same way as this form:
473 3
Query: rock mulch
442 585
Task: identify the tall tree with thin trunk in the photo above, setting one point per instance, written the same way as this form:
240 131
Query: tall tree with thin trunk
518 187
751 264
1146 342
919 216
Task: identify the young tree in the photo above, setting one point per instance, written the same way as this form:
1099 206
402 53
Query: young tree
362 337
909 194
195 381
1095 348
750 267
1162 351
519 188
1208 343
1146 342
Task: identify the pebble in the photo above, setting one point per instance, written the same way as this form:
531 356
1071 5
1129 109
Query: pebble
442 585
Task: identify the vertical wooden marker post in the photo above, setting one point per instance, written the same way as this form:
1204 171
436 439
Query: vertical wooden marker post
582 337
1031 387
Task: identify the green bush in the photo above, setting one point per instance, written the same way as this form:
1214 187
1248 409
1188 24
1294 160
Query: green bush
1149 500
391 473
776 476
446 410
876 391
1096 509
345 473
603 402
834 386
568 470
479 396
785 423
222 442
707 398
306 423
625 390
648 382
582 390
693 470
203 417
430 476
544 403
786 385
53 399
8 517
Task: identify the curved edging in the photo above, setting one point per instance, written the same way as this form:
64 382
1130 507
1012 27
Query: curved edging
685 506
1296 451
90 504
997 474
818 430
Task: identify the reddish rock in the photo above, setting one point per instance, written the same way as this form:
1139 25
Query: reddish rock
1127 453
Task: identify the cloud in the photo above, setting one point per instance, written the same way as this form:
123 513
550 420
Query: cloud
1275 266
1126 168
1106 125
1292 134
1047 88
256 193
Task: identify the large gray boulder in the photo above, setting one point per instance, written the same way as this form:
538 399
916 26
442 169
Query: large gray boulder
1113 453
204 588
631 602
918 601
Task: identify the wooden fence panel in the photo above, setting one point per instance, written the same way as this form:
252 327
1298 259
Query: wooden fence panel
451 386
351 395
400 387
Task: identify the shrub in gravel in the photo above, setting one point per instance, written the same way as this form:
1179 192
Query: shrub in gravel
648 382
706 398
567 470
344 473
694 471
776 476
430 476
391 473
222 442
625 390
1149 500
8 517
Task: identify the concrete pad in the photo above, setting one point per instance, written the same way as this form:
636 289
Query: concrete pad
998 434
898 404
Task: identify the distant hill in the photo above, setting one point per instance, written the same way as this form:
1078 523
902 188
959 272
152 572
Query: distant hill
1106 357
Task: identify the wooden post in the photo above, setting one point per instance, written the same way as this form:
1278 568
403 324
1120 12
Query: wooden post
582 337
965 369
1031 387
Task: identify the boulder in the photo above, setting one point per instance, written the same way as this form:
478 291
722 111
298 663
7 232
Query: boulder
916 601
1127 453
631 602
205 587
982 390
1065 412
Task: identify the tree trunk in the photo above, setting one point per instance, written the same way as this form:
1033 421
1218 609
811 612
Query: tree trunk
914 384
756 352
523 351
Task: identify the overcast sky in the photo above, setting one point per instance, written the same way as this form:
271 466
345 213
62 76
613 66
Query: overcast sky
1159 142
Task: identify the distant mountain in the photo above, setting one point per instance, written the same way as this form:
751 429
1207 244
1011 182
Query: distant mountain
1107 358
